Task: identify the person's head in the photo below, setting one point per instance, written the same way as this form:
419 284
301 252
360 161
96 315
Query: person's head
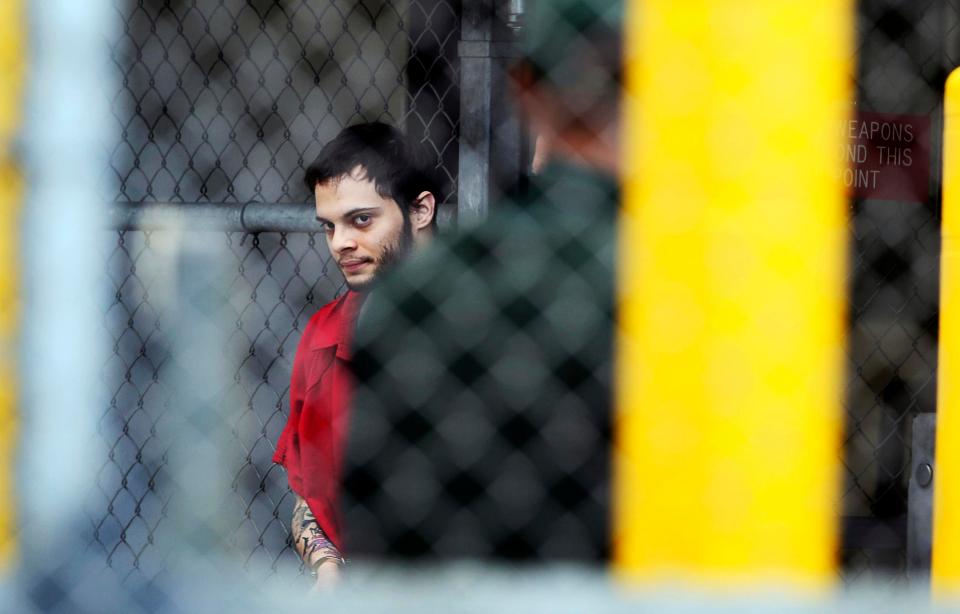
374 197
568 83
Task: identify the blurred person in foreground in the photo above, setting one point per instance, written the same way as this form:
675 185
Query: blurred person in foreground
376 202
481 424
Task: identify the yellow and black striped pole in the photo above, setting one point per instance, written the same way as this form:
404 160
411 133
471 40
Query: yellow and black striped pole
945 568
732 292
12 70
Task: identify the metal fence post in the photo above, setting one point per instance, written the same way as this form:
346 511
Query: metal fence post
920 495
490 136
475 96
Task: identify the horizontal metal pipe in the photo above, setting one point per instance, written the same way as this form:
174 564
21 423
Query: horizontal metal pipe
230 217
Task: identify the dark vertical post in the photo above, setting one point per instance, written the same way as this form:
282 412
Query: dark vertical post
920 496
476 33
507 133
490 135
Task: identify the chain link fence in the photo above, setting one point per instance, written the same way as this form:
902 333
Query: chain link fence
226 102
905 51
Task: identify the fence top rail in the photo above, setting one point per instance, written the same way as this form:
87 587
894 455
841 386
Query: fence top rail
231 217
251 217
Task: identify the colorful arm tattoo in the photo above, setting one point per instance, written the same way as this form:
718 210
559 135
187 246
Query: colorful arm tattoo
312 544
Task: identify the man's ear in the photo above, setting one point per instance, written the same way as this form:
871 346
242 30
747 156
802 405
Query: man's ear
422 210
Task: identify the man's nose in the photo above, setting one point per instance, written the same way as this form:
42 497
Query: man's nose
342 240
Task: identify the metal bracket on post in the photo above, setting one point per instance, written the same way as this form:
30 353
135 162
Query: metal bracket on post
920 496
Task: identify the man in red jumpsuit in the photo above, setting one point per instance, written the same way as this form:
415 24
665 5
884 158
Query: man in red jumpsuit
376 202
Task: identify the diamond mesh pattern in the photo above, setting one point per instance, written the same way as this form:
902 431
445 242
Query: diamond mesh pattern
227 102
481 423
904 52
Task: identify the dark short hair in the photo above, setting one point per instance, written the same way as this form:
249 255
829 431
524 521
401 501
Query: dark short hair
388 159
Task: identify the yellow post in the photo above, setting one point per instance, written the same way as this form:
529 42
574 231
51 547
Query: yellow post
946 494
12 68
732 291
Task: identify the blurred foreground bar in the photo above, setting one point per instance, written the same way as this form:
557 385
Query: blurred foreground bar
945 567
12 64
67 130
732 292
191 279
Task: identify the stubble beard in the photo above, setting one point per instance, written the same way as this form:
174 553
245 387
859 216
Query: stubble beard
395 250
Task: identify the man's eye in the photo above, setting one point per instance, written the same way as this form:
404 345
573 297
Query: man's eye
328 226
361 220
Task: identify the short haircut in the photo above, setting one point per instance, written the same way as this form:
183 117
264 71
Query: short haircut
388 159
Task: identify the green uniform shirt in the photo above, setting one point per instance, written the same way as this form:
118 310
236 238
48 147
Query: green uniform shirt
481 419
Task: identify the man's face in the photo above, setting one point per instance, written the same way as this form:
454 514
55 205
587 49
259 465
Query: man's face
365 231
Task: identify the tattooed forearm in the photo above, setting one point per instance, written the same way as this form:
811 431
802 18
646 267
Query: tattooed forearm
312 544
